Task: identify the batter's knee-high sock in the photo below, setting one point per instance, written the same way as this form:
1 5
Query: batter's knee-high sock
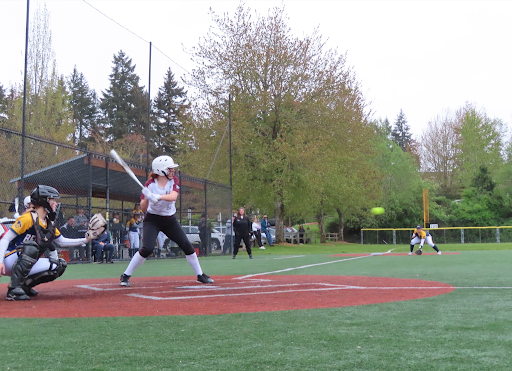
412 247
194 262
136 262
435 248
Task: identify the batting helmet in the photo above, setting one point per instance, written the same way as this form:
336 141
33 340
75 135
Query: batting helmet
162 164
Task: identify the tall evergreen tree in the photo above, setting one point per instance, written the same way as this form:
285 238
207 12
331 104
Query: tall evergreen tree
170 110
84 107
121 102
401 132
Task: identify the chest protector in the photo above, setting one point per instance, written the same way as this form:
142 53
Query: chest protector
44 236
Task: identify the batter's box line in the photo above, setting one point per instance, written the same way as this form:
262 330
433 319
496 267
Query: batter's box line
151 297
94 288
221 288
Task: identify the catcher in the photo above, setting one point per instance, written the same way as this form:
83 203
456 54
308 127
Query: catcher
22 246
420 236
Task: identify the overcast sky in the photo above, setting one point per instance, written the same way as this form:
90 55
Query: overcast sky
423 57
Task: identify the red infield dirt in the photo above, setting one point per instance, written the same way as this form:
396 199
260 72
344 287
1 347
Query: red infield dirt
171 296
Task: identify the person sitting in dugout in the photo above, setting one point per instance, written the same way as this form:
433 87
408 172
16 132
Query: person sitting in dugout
34 232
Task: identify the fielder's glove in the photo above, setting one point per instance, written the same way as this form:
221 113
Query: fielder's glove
97 226
418 252
150 195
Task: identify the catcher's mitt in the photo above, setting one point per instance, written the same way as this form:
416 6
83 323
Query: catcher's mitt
97 226
418 252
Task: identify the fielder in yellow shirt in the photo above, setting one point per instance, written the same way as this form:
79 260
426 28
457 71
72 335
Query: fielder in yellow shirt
420 236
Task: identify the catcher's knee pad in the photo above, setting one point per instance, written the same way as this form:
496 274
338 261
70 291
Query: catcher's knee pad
21 268
56 270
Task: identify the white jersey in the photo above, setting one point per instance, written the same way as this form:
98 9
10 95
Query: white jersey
163 208
256 226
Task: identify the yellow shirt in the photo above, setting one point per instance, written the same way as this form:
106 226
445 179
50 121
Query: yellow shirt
420 233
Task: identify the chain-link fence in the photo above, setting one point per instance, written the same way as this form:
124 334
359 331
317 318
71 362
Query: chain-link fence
91 183
452 235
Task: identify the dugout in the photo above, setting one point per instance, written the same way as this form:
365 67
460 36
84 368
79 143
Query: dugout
96 183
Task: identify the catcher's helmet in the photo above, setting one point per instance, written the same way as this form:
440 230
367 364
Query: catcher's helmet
162 164
41 194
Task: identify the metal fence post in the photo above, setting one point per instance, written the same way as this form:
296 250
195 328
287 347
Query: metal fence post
462 236
394 237
497 235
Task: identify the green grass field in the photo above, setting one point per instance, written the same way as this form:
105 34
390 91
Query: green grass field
467 329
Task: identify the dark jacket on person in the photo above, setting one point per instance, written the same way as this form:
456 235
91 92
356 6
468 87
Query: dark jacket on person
242 226
104 237
68 231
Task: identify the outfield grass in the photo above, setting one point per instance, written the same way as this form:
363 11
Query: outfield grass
467 329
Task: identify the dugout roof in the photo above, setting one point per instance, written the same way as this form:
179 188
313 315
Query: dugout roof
97 175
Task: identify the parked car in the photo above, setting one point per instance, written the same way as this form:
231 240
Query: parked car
192 231
291 235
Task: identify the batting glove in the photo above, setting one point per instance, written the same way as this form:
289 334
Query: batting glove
146 192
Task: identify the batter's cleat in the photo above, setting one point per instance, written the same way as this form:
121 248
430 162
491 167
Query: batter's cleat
203 278
410 253
30 291
125 280
17 294
234 256
439 253
250 256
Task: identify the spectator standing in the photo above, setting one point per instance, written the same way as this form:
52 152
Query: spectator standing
132 227
116 229
302 231
204 232
265 228
243 228
138 210
103 243
160 239
81 222
228 240
256 230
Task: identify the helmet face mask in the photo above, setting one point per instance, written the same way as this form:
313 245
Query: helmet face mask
162 165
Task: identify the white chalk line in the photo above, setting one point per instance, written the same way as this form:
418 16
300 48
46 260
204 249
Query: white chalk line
290 257
317 289
307 266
